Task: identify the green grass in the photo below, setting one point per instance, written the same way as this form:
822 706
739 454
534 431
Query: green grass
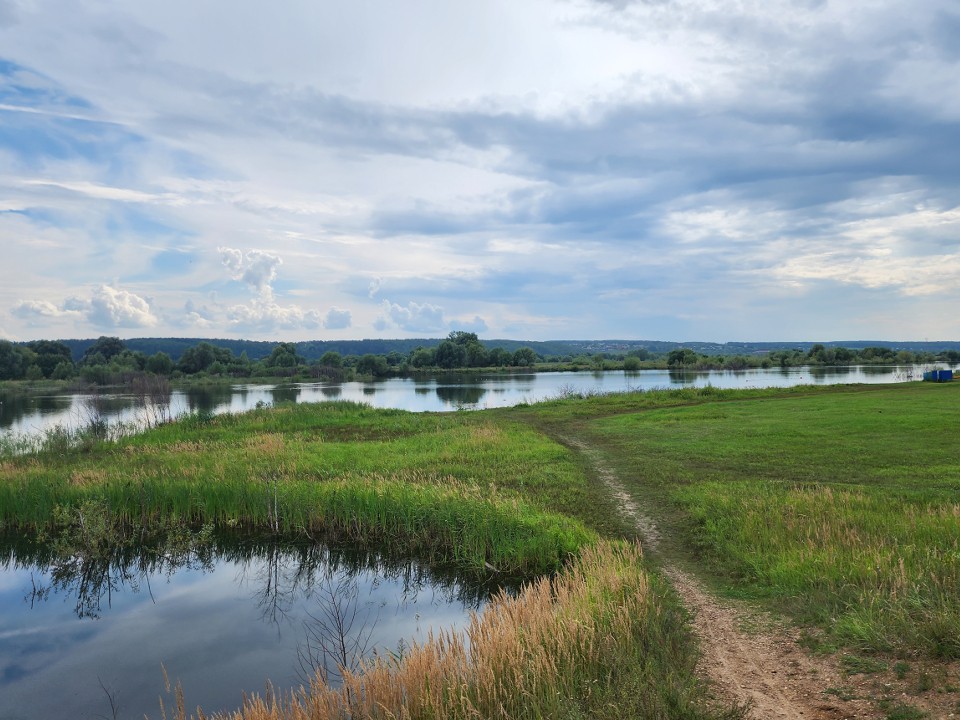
470 489
841 506
452 488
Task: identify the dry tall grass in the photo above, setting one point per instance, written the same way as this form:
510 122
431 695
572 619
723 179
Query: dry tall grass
553 651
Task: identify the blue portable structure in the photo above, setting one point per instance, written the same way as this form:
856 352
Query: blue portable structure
938 376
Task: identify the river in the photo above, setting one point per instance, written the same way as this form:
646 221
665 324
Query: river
32 414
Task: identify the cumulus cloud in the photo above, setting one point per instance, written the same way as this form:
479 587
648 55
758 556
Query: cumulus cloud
255 267
265 315
337 319
107 307
477 325
29 309
199 317
412 317
110 307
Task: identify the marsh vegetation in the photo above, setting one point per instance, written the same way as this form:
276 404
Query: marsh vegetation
834 507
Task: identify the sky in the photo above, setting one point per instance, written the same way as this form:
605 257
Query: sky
547 169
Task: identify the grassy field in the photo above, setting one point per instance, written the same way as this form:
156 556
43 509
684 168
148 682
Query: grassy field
839 506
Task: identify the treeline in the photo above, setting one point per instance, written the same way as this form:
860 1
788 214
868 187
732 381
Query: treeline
109 361
817 355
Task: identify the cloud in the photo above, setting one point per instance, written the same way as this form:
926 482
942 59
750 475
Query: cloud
29 309
9 16
412 317
255 267
107 307
374 287
265 315
477 325
337 319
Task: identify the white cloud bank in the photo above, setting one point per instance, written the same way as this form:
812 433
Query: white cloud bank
107 307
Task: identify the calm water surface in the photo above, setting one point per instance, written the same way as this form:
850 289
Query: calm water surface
221 621
30 414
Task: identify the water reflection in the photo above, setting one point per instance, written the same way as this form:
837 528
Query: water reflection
460 395
33 413
15 406
208 398
285 393
222 614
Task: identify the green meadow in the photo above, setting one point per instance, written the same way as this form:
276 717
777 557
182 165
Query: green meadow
838 508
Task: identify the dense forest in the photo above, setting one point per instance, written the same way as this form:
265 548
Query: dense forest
110 360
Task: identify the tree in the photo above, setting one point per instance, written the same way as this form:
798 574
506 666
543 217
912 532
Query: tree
50 353
460 337
14 360
499 357
331 358
422 357
284 355
450 355
477 355
159 364
63 371
197 358
681 356
524 357
375 365
631 363
106 347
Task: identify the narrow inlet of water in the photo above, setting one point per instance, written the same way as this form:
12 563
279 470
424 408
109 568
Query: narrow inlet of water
80 638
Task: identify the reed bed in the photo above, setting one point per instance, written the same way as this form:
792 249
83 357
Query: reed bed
454 489
594 641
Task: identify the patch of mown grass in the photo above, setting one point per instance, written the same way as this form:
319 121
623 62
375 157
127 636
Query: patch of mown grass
842 506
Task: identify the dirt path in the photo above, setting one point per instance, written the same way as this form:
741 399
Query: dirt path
762 668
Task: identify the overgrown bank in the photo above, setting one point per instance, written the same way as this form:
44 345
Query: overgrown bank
487 493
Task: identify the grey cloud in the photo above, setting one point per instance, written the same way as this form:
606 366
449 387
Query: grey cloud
9 13
476 325
414 317
337 319
31 309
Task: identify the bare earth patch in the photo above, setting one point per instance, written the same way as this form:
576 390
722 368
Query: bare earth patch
754 661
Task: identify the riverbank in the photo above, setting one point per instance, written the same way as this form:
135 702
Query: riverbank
834 507
485 493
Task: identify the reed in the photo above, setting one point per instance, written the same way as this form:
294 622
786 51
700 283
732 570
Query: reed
594 641
454 489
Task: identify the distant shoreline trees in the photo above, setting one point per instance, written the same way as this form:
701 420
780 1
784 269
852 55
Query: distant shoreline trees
108 361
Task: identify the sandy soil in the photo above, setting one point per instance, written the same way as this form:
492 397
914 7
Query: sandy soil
755 661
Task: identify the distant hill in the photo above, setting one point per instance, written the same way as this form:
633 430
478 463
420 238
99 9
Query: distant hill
314 349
